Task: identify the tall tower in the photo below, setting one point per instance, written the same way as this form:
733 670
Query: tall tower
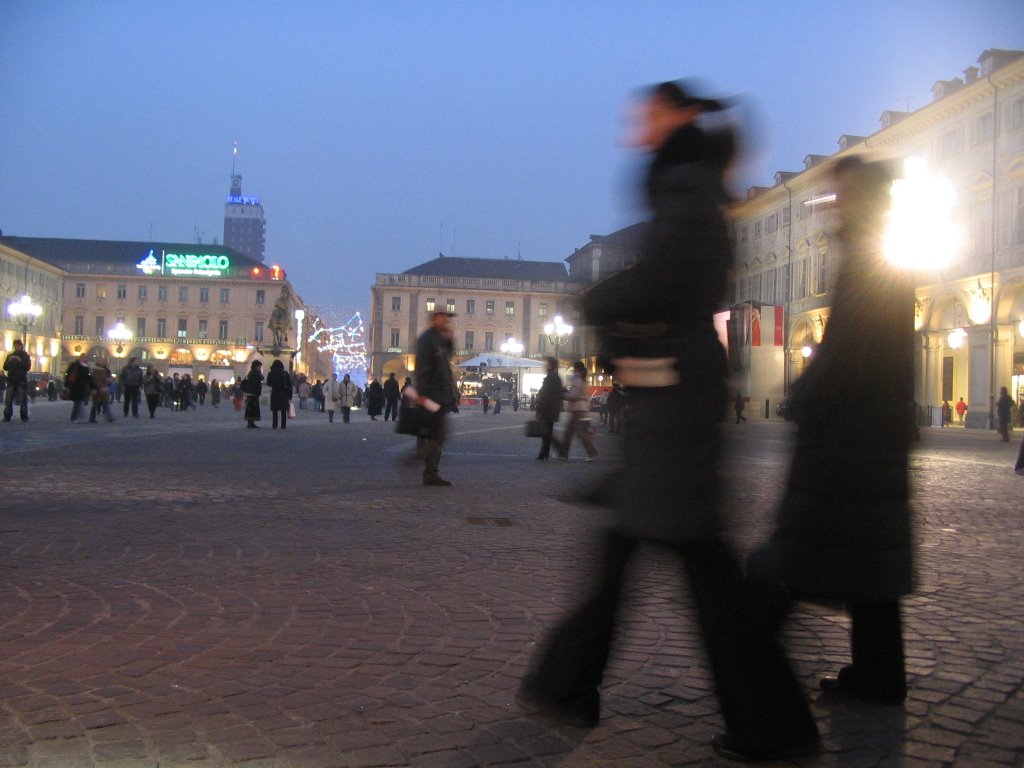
245 228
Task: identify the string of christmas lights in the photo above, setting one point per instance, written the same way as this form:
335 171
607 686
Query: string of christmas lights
346 344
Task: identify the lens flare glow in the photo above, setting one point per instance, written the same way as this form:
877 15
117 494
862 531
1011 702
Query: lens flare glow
921 232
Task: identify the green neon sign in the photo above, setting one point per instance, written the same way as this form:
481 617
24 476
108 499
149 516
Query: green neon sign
196 264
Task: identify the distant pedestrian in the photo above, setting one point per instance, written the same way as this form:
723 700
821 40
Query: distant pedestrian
549 407
102 397
187 392
961 409
616 404
332 396
151 386
305 390
78 383
497 403
51 390
280 383
374 399
252 386
485 403
237 394
347 392
577 406
391 397
16 366
738 406
201 389
947 413
435 388
130 380
1004 411
214 393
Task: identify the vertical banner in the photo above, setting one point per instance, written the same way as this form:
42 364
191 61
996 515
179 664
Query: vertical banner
755 325
780 327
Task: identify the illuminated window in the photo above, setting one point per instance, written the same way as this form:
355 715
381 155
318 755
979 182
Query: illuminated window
101 291
396 306
450 306
470 340
489 308
122 291
510 309
140 327
204 295
182 328
183 293
225 295
431 304
258 332
222 330
542 310
79 325
143 292
161 292
261 297
161 328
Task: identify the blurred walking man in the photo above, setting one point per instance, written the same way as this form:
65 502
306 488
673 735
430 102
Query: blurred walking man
435 385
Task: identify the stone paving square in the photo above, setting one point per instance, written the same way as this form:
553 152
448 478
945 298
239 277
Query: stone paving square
185 592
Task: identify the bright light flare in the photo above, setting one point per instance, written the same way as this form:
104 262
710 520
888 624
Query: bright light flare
921 232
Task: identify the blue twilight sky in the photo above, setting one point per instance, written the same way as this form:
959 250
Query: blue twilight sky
379 133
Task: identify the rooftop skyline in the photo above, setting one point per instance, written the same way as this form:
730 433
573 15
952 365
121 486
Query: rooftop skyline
379 135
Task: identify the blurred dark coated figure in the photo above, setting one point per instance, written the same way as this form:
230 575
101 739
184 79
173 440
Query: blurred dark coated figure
844 530
657 327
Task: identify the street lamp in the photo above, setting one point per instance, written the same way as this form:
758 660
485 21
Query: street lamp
557 330
120 335
24 312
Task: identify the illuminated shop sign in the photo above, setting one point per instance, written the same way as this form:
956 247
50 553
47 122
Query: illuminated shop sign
243 200
201 265
185 264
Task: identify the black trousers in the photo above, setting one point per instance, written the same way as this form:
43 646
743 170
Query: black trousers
152 401
547 439
391 410
877 667
131 400
762 702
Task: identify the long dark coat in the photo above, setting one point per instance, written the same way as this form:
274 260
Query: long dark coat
280 383
844 528
374 399
669 489
549 398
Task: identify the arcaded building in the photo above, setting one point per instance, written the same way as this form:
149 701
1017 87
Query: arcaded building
206 310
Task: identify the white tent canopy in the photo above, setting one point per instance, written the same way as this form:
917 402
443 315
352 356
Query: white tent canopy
500 362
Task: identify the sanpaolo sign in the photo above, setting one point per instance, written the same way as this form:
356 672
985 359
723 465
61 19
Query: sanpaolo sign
185 264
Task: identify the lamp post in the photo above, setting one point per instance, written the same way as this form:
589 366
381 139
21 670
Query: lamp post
120 335
24 312
512 347
557 330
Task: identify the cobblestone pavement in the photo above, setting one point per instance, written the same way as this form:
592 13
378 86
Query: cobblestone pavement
185 592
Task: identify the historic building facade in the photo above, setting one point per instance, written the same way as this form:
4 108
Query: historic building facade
22 275
969 315
494 300
206 310
245 228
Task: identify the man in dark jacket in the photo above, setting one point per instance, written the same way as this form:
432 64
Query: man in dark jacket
658 327
435 388
549 407
391 398
16 366
130 379
843 530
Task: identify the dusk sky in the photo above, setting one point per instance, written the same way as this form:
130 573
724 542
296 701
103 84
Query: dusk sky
377 134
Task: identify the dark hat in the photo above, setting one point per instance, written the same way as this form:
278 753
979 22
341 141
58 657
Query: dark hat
681 95
442 312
